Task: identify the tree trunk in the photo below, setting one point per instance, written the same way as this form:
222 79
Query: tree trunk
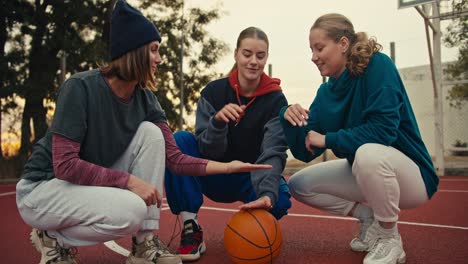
43 65
25 132
3 69
1 148
106 26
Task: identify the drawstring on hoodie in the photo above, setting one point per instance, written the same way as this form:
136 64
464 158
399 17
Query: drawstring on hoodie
240 103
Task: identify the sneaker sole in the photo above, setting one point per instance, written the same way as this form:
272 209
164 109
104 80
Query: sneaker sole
193 257
402 258
133 260
35 240
36 243
358 248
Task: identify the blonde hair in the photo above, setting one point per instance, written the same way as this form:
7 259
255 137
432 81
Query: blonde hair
361 48
132 66
250 32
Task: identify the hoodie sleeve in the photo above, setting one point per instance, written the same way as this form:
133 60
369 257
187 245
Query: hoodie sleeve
211 135
273 152
296 135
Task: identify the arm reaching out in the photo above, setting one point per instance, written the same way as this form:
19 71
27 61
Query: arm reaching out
235 166
183 164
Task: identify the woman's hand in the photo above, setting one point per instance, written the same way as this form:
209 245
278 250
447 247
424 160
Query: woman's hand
236 166
314 139
296 115
263 202
145 190
230 112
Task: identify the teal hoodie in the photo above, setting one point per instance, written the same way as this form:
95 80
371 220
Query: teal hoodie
370 108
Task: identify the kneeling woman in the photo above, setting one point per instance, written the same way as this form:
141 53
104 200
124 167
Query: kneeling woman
364 115
237 119
98 173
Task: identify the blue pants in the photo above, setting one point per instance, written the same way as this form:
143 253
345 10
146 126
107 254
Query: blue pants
185 193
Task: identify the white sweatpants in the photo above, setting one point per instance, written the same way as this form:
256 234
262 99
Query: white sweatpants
381 176
78 215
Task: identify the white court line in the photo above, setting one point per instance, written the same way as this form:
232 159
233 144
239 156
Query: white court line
452 180
453 191
7 193
343 218
112 245
164 199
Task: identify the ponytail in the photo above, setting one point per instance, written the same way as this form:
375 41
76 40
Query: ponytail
360 52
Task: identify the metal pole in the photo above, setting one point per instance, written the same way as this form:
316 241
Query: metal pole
181 121
325 154
63 66
392 51
436 75
438 100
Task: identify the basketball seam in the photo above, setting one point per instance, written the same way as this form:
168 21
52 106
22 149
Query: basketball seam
239 258
265 234
246 239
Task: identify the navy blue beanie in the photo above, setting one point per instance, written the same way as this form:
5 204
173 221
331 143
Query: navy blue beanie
129 30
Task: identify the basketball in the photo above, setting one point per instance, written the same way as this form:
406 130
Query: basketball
252 237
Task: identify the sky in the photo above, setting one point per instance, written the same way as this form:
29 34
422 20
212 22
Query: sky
287 25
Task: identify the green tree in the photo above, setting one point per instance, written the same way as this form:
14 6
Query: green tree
201 52
457 36
37 30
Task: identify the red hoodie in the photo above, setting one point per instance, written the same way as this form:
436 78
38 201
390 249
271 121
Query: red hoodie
266 85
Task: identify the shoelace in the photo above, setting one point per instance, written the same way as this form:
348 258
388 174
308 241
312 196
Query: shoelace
174 234
191 239
155 248
159 245
63 254
380 246
364 229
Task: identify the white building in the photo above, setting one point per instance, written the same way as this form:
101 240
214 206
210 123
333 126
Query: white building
419 87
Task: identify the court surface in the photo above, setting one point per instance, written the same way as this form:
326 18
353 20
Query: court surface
434 233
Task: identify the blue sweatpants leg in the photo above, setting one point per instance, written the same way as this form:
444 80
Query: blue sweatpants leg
280 208
228 188
183 192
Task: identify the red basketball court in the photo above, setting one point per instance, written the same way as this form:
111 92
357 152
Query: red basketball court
434 233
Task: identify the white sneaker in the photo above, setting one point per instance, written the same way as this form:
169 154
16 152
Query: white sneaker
387 250
359 243
151 251
51 251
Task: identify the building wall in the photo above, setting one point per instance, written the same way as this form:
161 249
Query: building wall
419 88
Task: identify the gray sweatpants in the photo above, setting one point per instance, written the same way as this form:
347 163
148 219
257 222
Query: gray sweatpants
381 176
78 215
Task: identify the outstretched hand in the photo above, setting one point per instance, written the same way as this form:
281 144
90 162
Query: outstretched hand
263 202
236 166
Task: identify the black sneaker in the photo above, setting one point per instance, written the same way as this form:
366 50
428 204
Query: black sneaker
191 243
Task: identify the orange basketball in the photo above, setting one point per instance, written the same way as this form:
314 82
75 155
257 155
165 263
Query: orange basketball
252 237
